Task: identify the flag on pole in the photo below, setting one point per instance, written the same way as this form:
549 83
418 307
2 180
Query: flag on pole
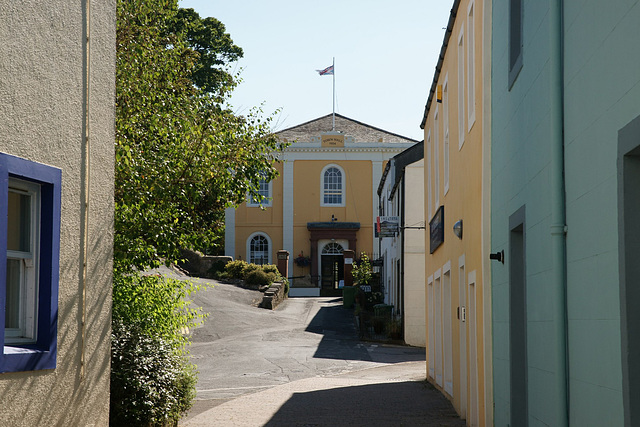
327 71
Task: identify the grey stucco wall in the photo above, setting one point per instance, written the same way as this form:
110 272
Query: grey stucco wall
42 118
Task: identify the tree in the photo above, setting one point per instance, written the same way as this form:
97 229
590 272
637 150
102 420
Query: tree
182 156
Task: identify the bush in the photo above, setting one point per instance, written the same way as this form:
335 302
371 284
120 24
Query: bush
152 381
270 268
258 278
250 268
235 268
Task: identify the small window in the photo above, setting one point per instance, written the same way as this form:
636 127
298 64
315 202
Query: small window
264 190
259 250
471 69
461 128
332 186
445 128
29 264
515 40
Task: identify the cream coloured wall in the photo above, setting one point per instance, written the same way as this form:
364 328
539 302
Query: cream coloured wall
462 200
42 118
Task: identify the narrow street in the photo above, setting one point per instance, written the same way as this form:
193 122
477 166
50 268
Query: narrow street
302 364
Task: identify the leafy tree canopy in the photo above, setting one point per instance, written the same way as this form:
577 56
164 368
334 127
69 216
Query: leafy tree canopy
182 155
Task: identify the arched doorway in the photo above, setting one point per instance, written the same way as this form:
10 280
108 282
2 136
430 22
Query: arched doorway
332 266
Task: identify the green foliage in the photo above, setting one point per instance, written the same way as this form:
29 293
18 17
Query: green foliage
248 269
152 381
182 155
362 271
258 278
271 268
235 268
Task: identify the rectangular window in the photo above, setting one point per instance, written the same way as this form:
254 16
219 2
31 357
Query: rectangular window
515 40
461 129
471 69
429 170
436 159
445 129
264 190
29 264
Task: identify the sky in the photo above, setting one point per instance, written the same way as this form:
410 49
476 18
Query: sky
385 56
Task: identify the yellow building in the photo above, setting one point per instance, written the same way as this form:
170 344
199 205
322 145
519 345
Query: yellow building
323 202
456 254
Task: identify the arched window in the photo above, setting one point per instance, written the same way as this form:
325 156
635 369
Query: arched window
332 249
258 251
332 186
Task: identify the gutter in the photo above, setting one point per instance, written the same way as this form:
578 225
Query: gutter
443 50
558 211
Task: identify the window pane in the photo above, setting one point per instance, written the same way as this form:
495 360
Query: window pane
259 250
19 222
14 279
332 186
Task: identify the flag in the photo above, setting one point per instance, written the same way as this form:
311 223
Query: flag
326 72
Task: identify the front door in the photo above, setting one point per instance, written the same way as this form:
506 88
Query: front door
331 268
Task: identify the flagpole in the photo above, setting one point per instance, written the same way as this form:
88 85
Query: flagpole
333 64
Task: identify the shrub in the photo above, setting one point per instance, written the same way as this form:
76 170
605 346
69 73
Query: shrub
258 278
235 268
362 271
270 268
152 381
248 269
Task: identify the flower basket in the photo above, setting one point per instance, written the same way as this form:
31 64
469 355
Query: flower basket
302 261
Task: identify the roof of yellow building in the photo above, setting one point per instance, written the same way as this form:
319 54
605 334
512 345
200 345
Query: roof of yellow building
361 132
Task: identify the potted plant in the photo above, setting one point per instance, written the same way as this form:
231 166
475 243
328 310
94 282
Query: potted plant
302 261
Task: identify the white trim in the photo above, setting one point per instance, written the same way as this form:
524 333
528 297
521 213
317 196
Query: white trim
343 186
436 158
431 328
472 319
267 201
471 66
429 170
462 324
461 70
376 176
447 329
248 246
437 292
445 130
287 210
230 232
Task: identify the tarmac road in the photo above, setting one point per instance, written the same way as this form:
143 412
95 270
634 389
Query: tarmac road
295 365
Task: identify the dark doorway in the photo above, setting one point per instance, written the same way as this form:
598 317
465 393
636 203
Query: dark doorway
332 271
518 320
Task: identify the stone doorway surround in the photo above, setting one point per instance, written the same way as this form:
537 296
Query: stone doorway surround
328 231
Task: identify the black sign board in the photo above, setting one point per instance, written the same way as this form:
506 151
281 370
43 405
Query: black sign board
436 230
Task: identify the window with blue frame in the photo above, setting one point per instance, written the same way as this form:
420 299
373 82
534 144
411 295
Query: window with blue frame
29 264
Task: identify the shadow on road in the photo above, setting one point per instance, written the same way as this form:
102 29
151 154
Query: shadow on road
412 403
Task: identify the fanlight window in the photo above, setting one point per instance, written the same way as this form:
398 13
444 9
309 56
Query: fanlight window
332 249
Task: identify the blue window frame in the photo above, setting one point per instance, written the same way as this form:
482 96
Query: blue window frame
35 349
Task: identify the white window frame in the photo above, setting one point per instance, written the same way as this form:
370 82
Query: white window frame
29 261
342 185
429 171
269 249
436 159
445 131
447 329
265 192
471 67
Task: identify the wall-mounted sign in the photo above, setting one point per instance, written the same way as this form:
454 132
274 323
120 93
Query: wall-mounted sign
348 260
388 226
436 230
333 140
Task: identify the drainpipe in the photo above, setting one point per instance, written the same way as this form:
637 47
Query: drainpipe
85 188
558 226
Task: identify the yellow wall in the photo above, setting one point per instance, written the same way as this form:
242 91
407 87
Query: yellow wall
462 201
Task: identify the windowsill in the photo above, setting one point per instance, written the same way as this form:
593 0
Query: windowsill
8 349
